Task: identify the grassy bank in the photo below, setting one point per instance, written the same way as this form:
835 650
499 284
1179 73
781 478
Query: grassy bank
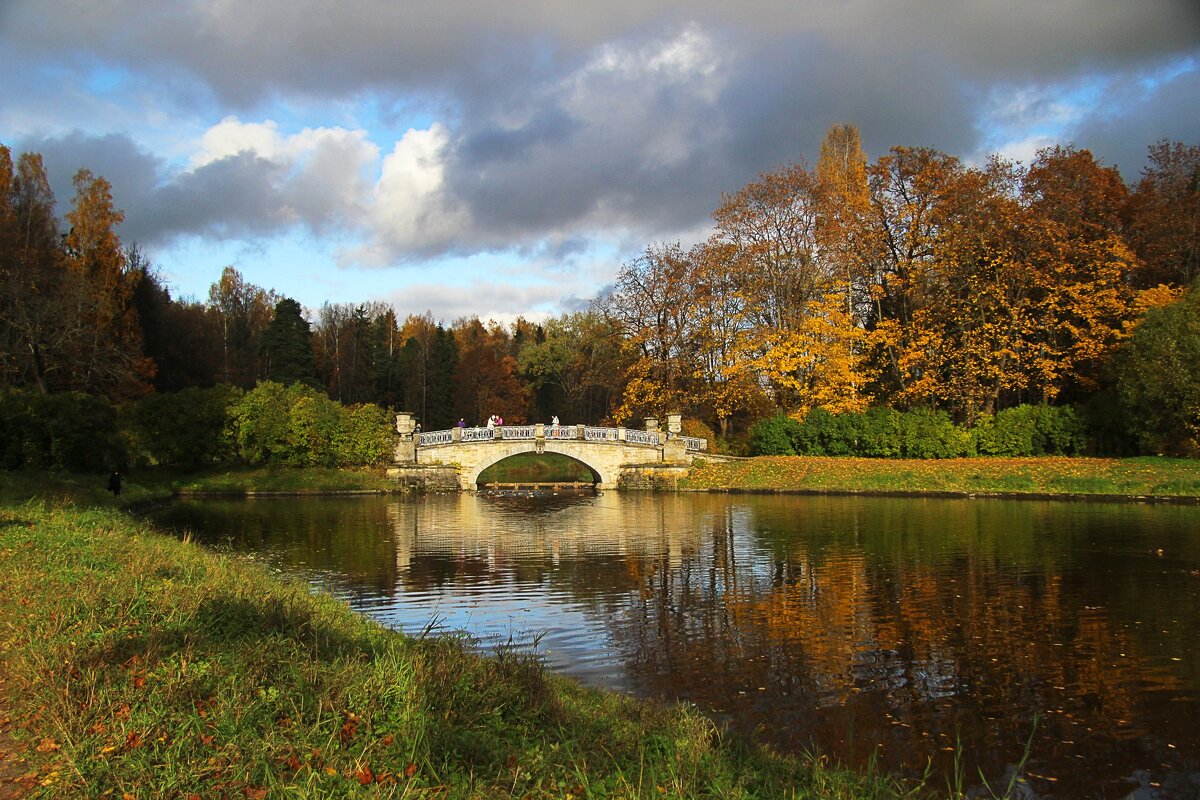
141 486
1134 477
536 467
139 666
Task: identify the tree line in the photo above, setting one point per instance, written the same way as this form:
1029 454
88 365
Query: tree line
919 282
911 282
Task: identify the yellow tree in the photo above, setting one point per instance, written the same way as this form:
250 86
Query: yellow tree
772 225
651 305
243 312
728 382
969 336
821 362
844 206
107 355
907 187
1082 267
795 296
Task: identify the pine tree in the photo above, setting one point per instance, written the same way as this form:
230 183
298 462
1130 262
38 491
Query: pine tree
287 349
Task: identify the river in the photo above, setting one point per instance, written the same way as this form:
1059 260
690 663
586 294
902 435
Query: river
901 631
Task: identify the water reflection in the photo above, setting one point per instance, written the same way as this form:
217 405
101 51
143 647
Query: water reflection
886 629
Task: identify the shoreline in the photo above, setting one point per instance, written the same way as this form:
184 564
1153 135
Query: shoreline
1138 480
1162 499
194 670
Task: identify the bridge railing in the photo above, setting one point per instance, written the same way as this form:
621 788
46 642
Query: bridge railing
435 437
477 434
590 433
641 437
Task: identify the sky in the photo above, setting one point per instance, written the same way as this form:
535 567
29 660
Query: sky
501 159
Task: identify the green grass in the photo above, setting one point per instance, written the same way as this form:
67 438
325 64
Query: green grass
534 467
1132 477
141 486
140 664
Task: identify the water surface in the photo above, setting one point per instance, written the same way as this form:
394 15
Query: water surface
885 629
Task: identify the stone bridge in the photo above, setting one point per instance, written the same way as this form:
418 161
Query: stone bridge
610 453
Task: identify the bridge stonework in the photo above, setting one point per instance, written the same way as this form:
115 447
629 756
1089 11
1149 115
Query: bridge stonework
610 453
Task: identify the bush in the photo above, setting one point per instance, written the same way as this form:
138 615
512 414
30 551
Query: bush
1031 431
825 434
367 437
773 436
880 435
259 423
300 426
314 424
188 428
68 431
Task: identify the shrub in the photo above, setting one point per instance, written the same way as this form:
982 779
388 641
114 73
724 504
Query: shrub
880 433
927 433
300 426
773 436
69 431
259 423
1031 431
187 428
314 424
825 434
367 438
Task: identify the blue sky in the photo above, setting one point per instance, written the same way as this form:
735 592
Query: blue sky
495 160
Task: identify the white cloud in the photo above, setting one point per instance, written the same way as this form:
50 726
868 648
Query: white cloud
410 210
232 137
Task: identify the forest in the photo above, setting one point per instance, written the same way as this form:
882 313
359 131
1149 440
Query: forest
829 298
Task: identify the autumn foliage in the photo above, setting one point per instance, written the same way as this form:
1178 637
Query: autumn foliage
913 281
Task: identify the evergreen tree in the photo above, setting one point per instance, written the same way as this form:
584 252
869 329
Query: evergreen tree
439 389
287 349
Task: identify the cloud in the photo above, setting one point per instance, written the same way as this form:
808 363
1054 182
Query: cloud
547 129
488 300
411 213
245 180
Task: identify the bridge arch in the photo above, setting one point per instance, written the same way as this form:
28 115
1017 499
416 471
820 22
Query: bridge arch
600 472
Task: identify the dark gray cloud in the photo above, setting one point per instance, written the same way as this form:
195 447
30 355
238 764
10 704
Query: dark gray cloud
1171 111
565 122
236 196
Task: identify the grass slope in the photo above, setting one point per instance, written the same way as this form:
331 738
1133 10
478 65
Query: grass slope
140 666
1134 477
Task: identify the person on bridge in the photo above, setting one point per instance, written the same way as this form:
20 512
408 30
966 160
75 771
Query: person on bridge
462 423
491 423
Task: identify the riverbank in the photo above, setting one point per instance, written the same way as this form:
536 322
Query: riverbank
1132 478
155 484
139 665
